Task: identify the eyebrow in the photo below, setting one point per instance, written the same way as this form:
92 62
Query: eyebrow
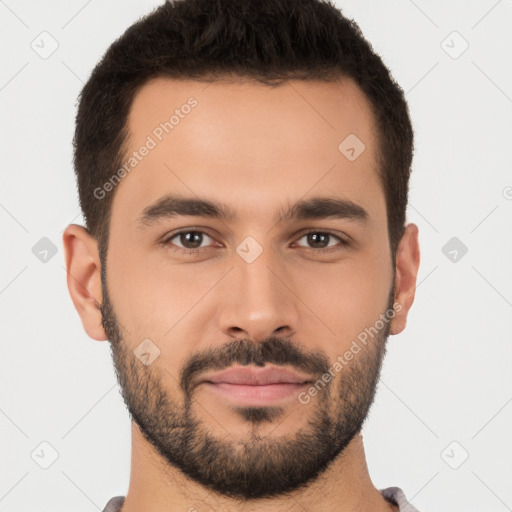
172 205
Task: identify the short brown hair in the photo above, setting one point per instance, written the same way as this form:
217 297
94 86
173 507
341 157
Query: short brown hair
269 41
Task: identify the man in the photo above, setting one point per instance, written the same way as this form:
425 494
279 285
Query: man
243 171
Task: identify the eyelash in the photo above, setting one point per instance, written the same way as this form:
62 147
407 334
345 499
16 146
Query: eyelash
167 242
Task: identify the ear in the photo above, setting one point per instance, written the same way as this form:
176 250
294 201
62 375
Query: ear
83 278
407 264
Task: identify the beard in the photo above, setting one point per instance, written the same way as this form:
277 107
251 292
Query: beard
250 466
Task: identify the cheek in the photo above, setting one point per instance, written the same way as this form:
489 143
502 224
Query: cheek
347 297
158 299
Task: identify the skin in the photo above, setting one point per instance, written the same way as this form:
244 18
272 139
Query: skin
258 150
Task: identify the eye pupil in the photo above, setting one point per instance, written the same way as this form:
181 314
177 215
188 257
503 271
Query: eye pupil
315 238
193 240
191 237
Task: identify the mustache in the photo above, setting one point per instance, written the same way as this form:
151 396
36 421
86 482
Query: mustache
278 351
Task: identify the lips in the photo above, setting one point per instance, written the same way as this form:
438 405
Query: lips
257 376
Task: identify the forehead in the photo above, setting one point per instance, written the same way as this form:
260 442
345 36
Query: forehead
253 146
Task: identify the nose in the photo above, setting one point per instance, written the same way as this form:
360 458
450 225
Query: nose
258 300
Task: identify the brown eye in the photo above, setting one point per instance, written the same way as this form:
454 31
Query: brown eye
322 241
188 240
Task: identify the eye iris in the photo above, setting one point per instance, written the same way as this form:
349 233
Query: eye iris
315 238
191 237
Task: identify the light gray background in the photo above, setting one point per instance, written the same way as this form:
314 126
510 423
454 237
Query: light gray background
446 379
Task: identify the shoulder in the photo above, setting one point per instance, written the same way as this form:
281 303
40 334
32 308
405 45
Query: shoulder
396 496
114 504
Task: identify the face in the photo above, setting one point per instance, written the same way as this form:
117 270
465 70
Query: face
245 238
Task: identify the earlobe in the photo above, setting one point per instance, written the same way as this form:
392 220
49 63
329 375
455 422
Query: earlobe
407 265
83 268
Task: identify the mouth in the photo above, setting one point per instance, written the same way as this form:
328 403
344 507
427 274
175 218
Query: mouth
256 386
244 375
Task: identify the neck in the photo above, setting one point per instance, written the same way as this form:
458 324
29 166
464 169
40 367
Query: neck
345 486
